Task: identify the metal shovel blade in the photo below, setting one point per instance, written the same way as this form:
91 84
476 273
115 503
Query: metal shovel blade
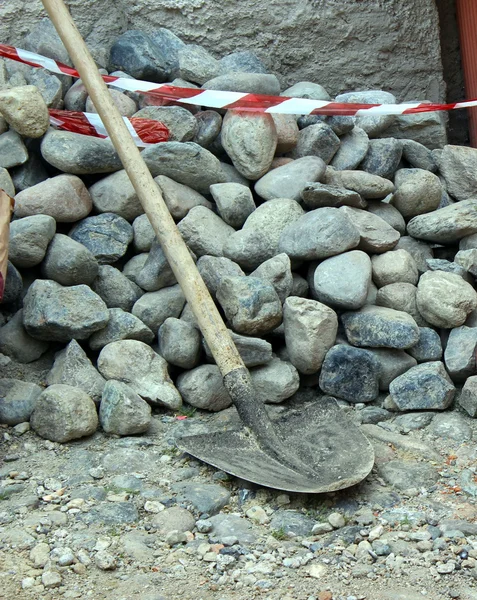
321 436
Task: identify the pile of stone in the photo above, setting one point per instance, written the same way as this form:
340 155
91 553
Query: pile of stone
341 251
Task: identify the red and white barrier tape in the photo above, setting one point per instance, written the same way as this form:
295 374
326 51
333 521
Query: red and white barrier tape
237 100
145 132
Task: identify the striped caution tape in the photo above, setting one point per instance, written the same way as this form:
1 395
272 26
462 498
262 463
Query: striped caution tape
237 100
145 132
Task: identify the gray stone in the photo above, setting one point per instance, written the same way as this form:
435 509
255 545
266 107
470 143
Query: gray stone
13 151
134 266
277 271
382 158
173 519
447 225
180 199
467 399
440 264
143 233
250 83
388 213
209 123
122 411
420 251
121 326
16 343
170 45
418 156
428 348
377 236
343 281
300 286
231 175
392 363
460 353
107 236
55 313
367 185
373 125
287 133
17 400
468 260
396 266
370 415
234 202
253 351
137 54
49 86
318 195
205 497
154 308
414 421
179 121
468 243
115 289
179 343
25 110
451 426
250 304
79 154
29 174
353 148
402 297
68 262
44 39
213 268
226 526
6 182
64 197
145 372
73 367
351 374
197 65
289 180
424 387
457 164
275 382
63 413
417 192
250 140
249 247
186 163
307 89
13 291
317 140
29 239
204 231
320 233
445 299
243 61
378 327
110 513
156 272
404 475
292 523
116 194
203 388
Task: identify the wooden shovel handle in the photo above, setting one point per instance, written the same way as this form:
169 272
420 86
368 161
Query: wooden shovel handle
193 287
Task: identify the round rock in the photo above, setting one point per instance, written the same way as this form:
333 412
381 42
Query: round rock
122 411
417 192
17 400
203 388
121 326
179 343
234 202
116 194
106 236
424 387
68 262
25 110
29 239
393 267
289 180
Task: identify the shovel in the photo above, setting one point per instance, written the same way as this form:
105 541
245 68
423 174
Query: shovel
312 450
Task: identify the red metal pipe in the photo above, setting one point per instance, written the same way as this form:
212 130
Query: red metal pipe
467 20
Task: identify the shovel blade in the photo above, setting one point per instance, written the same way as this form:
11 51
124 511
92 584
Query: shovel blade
320 436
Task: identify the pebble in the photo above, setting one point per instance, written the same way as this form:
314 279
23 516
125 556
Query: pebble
25 110
13 151
288 181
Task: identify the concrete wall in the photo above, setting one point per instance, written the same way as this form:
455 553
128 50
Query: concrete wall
341 44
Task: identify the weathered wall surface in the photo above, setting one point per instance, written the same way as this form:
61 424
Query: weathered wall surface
341 44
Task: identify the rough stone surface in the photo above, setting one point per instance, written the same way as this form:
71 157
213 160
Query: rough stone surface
445 299
204 231
388 213
400 296
353 148
107 236
180 199
122 325
392 363
318 195
420 251
63 413
319 233
17 400
115 193
460 353
64 197
289 180
181 123
310 331
122 411
156 272
68 262
137 54
372 125
234 202
457 165
317 140
424 387
145 372
343 281
367 185
378 327
213 268
29 239
203 388
115 289
15 341
73 367
417 192
383 157
429 346
393 267
377 236
25 110
250 304
451 427
154 308
275 382
447 225
276 271
468 397
56 313
13 151
253 351
250 140
351 374
179 343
